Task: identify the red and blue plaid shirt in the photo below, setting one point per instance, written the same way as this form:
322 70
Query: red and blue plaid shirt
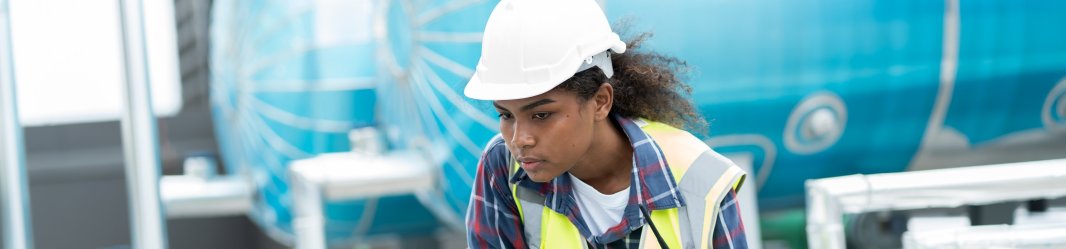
493 221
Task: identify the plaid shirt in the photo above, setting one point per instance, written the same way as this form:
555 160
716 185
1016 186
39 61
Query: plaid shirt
493 221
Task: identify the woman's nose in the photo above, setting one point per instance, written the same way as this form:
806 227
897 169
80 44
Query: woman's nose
522 138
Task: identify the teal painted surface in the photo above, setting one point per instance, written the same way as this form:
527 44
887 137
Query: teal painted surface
755 60
1011 57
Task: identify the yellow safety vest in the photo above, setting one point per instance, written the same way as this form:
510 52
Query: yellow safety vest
704 178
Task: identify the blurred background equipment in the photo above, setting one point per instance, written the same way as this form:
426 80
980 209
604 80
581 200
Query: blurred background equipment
272 92
829 199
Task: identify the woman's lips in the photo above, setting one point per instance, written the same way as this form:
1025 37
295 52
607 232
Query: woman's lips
531 164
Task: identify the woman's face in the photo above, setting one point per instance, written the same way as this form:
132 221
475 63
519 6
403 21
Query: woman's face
547 133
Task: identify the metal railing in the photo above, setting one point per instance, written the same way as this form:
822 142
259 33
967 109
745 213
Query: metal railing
13 184
139 135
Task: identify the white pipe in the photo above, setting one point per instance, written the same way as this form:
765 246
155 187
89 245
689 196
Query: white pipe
13 190
139 140
828 199
989 236
351 176
196 197
309 225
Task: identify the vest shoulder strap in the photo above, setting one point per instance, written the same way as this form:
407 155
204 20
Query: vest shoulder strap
680 147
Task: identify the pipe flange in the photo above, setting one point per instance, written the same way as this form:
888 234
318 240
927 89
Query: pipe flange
1054 111
816 123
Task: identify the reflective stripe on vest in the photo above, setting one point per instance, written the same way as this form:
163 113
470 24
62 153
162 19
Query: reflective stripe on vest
692 164
531 208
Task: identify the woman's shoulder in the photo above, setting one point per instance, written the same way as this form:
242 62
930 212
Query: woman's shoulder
671 138
495 154
680 147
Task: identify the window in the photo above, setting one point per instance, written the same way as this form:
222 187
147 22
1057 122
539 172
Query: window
69 62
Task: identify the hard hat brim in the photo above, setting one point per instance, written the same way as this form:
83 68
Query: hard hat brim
476 89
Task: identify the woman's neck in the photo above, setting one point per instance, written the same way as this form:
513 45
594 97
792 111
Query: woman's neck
607 166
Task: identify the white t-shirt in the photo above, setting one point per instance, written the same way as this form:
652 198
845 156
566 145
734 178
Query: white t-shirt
600 211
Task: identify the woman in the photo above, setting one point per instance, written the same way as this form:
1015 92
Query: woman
588 155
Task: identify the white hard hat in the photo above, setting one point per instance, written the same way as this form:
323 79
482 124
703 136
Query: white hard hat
531 46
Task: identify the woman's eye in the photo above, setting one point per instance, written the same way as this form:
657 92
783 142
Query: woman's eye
541 115
505 116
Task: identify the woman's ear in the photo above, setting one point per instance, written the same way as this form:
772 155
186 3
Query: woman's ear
603 100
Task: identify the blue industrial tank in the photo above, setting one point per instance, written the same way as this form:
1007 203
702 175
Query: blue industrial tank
809 89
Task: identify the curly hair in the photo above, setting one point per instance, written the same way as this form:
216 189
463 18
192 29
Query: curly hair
646 85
